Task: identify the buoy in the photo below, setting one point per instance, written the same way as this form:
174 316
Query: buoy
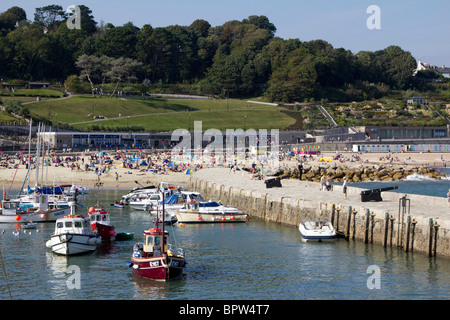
18 218
223 219
232 218
199 218
91 209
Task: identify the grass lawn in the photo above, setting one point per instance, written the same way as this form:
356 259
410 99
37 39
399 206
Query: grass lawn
161 114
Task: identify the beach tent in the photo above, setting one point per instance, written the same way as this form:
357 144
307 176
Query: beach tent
188 171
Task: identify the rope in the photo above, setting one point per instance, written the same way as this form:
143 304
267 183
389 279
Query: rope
6 278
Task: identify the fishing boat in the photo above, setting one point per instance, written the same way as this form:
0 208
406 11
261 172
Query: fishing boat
316 229
155 258
101 223
209 212
73 235
37 209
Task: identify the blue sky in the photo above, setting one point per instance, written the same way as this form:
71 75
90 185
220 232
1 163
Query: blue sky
421 27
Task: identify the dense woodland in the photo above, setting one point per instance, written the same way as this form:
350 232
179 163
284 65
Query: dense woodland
236 59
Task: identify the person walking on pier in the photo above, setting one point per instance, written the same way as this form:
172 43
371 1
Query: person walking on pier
344 186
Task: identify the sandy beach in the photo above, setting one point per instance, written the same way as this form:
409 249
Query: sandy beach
13 178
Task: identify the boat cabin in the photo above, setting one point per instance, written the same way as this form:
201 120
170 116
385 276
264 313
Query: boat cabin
192 206
99 216
73 224
152 243
9 207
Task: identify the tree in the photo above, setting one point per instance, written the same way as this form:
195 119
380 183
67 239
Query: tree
119 41
91 69
122 69
10 18
49 16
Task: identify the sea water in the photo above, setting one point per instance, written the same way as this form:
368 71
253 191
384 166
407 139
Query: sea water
252 261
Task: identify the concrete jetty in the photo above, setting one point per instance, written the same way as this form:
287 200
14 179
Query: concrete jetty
413 223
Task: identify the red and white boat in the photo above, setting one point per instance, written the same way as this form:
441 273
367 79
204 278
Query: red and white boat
101 224
155 258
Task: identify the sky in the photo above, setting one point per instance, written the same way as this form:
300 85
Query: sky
421 27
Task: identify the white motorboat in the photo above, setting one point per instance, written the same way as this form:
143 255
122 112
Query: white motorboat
146 202
73 235
141 192
35 207
209 212
316 229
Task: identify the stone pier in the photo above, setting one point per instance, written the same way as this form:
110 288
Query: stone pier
419 224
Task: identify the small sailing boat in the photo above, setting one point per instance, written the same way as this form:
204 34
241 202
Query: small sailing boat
155 258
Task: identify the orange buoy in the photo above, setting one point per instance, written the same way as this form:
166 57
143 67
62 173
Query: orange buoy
91 209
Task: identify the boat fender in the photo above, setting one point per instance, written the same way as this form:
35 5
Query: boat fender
129 264
48 244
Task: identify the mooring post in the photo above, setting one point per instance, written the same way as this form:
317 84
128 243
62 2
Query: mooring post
436 229
366 231
354 212
372 218
349 219
430 239
413 231
392 229
338 211
386 228
333 208
408 227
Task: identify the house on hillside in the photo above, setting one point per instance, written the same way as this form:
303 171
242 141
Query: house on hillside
444 71
418 100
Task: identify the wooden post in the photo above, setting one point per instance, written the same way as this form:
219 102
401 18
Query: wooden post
366 231
413 231
408 227
349 219
430 239
386 228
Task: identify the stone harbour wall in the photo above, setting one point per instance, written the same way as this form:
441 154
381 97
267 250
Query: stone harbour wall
386 223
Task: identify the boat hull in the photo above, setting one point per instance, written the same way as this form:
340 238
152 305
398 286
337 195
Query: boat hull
106 232
47 216
199 217
68 244
326 234
159 268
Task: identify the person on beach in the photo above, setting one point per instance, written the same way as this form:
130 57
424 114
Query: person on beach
323 179
300 170
344 186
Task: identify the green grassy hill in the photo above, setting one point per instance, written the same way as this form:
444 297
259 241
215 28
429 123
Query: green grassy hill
159 114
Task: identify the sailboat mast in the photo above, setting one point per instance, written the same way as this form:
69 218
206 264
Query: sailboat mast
37 154
163 223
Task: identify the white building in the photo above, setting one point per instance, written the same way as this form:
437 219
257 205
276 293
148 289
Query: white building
444 71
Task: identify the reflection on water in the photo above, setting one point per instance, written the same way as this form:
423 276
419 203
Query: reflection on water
253 260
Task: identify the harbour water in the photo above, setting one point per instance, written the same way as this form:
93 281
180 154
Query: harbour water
246 261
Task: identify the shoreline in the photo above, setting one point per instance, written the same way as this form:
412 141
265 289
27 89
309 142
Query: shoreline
130 178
